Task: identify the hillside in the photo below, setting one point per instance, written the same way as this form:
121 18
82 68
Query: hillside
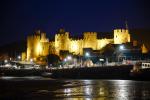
13 49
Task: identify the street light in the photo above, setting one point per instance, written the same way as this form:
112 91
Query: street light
101 61
65 59
69 58
87 54
19 57
6 61
121 47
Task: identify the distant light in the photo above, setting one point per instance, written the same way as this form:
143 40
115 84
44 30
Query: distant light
87 54
6 61
19 57
31 60
101 59
69 57
121 47
65 59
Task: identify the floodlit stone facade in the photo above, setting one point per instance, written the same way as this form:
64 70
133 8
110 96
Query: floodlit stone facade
39 45
121 36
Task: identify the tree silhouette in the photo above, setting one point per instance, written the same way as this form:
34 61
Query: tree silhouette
53 60
108 50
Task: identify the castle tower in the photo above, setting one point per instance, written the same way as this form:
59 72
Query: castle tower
32 44
37 45
90 40
121 36
144 49
61 41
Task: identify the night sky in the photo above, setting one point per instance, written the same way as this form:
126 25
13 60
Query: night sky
20 18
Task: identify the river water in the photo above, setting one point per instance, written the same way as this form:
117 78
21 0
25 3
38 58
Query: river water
37 88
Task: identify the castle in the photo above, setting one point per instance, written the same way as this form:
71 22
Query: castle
39 45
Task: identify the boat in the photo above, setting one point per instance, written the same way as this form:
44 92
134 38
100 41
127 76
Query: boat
139 67
136 70
145 65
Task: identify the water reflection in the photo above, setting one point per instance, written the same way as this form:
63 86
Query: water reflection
40 88
105 90
12 78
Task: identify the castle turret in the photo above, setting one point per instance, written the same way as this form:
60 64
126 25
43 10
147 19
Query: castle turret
121 36
37 45
61 41
144 49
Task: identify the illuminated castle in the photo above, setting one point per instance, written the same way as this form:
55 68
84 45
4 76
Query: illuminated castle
39 45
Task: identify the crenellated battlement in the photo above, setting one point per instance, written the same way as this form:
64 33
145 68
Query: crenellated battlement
121 36
121 31
77 39
39 45
90 33
59 35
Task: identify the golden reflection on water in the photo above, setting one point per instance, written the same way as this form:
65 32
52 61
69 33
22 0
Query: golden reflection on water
87 90
100 90
81 89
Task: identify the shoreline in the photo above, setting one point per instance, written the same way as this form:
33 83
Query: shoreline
116 72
